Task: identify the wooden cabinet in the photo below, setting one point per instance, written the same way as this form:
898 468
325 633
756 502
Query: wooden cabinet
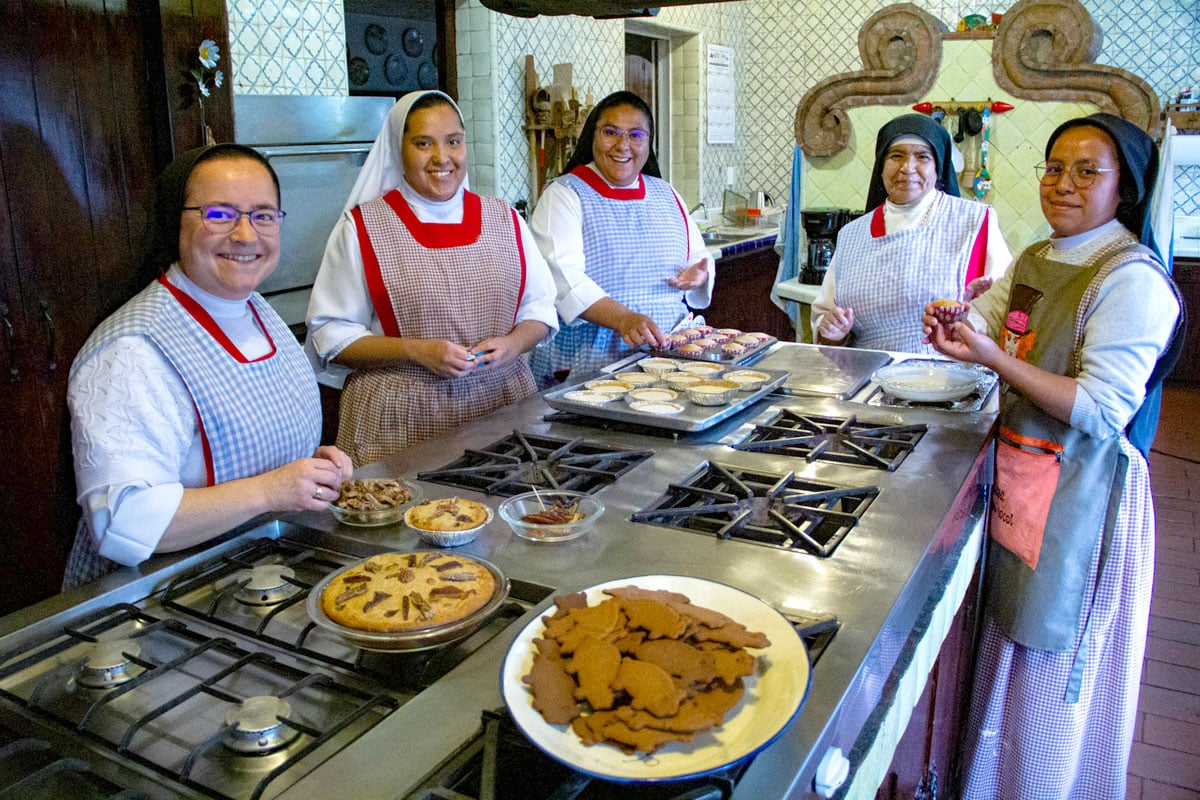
742 295
90 109
925 765
1187 277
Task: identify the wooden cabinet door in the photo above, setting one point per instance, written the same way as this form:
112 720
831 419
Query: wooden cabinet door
85 123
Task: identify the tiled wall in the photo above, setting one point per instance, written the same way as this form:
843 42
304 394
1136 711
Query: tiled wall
1017 139
286 47
781 47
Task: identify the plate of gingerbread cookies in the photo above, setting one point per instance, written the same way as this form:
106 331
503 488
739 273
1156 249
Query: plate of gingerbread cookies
655 678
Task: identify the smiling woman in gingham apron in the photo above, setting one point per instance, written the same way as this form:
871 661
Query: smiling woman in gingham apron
624 253
428 294
919 241
1081 331
193 408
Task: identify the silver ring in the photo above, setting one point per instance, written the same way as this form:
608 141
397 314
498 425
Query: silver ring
317 494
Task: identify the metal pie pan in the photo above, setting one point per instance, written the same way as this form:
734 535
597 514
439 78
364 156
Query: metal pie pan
412 639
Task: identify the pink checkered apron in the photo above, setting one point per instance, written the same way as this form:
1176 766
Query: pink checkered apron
465 288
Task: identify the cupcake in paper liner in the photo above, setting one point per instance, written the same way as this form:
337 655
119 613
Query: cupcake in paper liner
949 312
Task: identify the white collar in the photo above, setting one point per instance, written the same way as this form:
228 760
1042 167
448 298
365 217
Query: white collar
217 307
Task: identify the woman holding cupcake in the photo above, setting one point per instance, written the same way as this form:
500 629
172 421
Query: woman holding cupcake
918 241
428 294
1081 331
627 259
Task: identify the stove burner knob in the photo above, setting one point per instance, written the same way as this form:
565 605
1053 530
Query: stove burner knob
831 772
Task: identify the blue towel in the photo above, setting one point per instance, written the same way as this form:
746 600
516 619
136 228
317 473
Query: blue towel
789 234
1162 197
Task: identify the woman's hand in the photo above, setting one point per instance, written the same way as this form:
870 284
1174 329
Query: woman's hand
307 484
496 352
638 329
976 288
440 357
340 461
695 276
836 325
959 341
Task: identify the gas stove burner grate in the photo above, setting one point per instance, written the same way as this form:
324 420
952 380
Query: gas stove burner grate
844 441
523 462
781 511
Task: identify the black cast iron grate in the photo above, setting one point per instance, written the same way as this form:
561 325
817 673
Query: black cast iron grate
778 510
845 441
523 462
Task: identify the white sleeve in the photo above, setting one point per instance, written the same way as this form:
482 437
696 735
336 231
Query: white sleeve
557 225
1127 329
135 442
701 296
340 308
823 303
537 303
998 257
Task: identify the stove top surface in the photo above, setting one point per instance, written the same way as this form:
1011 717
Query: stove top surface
843 440
779 510
523 462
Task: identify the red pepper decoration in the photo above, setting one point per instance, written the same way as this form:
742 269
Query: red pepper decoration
925 108
999 107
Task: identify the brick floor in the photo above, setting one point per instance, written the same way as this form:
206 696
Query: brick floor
1165 763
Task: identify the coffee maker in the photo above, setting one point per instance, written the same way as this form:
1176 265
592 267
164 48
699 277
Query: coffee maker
821 226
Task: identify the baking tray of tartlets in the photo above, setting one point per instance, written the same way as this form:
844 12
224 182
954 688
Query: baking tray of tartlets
675 412
716 346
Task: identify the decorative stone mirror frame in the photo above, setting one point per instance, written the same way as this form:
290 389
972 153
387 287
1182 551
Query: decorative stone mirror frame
1042 50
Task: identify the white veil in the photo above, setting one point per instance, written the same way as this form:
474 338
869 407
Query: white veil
384 168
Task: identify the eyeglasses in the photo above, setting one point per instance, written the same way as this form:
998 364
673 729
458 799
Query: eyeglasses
1082 175
223 219
636 135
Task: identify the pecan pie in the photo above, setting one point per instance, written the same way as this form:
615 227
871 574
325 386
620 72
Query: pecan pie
448 514
402 591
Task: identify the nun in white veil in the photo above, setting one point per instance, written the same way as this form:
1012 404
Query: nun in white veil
428 295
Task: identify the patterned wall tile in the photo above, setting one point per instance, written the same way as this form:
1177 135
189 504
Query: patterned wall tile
287 47
782 48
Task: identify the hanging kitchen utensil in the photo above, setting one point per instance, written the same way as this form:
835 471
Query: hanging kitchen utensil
960 131
983 180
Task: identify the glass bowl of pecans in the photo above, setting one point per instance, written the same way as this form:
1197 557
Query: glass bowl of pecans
371 502
551 515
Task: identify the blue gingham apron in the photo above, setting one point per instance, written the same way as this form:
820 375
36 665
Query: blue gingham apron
631 248
255 416
889 279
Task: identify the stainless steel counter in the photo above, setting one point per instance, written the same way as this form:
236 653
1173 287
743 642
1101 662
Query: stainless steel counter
878 582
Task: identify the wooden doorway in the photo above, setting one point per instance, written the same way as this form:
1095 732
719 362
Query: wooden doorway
647 74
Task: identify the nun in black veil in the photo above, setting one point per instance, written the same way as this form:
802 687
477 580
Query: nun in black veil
193 408
1081 331
918 242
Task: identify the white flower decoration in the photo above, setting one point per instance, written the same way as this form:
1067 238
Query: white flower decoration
210 54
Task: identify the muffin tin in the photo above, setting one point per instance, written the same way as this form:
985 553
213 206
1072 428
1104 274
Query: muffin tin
753 352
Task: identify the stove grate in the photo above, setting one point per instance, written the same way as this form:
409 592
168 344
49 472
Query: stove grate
781 511
844 441
171 717
524 462
212 591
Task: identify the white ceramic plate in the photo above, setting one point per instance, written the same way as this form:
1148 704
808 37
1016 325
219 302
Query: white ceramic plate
773 696
927 383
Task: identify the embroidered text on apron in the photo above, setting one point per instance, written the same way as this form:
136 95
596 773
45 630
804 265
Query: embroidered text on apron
631 248
464 293
887 280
